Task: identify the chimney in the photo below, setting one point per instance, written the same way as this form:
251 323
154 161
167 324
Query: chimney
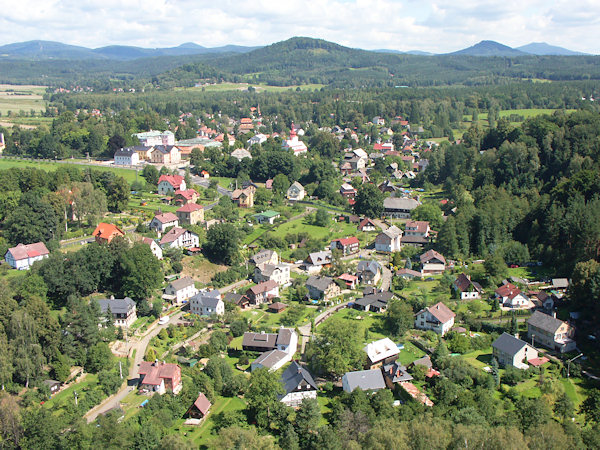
554 314
156 362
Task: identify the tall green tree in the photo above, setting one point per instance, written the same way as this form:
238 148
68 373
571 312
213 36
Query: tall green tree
369 201
141 272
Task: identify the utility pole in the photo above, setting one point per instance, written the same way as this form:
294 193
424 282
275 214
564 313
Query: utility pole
120 369
75 394
569 363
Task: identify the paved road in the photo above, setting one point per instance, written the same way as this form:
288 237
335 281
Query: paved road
305 330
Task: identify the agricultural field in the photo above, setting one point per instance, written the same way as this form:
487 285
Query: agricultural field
220 87
26 98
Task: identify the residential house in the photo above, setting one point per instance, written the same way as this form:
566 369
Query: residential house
168 184
298 384
241 153
347 190
317 260
263 292
560 284
350 280
190 214
244 198
547 330
123 310
23 256
348 246
438 318
53 385
160 377
165 154
381 352
280 273
389 241
365 380
416 233
199 408
183 197
179 290
267 216
511 351
367 225
143 152
378 120
286 340
399 208
207 303
295 192
408 274
272 360
432 263
237 299
468 289
322 288
161 222
510 296
179 238
265 257
258 138
106 232
374 302
154 247
277 307
387 186
369 272
153 137
395 372
127 157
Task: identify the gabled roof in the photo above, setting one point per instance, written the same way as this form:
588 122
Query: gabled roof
545 322
440 311
188 194
319 283
172 235
209 299
370 266
166 217
347 241
24 251
507 343
400 203
190 207
464 284
294 375
173 180
320 258
381 349
365 380
262 256
116 305
107 231
508 290
260 340
261 288
202 404
284 336
392 232
366 222
182 283
297 186
419 226
432 254
270 358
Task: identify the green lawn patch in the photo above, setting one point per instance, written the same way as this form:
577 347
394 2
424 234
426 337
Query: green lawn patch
410 353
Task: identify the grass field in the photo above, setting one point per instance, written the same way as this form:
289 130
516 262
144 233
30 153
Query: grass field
259 87
15 98
361 322
128 174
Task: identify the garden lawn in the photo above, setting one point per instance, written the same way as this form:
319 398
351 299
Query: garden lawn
368 321
479 358
410 353
67 395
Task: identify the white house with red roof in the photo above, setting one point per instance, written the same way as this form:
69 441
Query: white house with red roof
510 296
168 184
348 245
438 318
347 190
180 238
23 256
416 233
294 144
161 222
160 377
154 247
367 225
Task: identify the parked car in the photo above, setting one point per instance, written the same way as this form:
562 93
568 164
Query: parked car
163 320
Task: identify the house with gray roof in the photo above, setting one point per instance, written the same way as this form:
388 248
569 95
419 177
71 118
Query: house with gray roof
322 288
374 302
298 384
368 272
365 380
123 310
265 257
395 372
547 330
512 351
272 360
207 303
180 290
399 208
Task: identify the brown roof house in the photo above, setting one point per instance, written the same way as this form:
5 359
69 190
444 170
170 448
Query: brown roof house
468 289
416 233
432 263
348 246
190 214
160 377
161 222
244 198
277 349
23 256
263 292
199 408
438 318
389 241
547 330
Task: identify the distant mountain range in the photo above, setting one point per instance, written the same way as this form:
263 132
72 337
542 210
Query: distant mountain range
50 50
39 50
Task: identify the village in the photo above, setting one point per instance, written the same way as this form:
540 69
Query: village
362 258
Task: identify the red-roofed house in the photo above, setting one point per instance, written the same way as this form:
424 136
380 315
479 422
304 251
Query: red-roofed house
347 190
200 408
106 232
350 280
185 197
161 222
438 318
511 296
190 214
367 225
263 292
348 246
23 256
154 247
160 377
168 184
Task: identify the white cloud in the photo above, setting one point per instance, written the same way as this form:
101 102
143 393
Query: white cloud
435 25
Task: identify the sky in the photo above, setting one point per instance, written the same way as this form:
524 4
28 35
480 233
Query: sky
427 25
